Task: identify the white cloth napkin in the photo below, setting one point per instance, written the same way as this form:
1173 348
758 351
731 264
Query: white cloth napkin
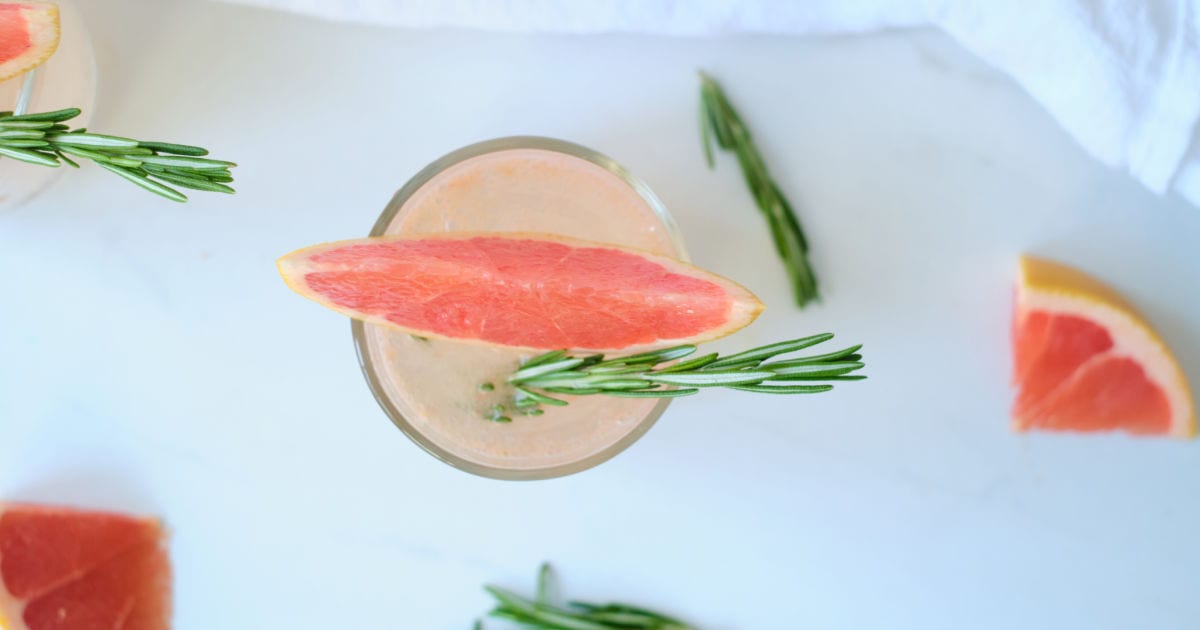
1121 76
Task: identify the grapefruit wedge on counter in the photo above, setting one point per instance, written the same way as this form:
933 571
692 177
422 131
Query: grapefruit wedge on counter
66 569
1085 360
29 34
524 290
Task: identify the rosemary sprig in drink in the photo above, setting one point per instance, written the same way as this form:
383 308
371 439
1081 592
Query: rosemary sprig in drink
541 614
45 140
665 374
719 120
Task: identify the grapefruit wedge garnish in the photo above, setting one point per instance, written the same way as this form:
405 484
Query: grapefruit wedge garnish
28 36
1085 360
66 569
524 290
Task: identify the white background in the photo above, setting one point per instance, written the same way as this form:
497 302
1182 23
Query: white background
154 362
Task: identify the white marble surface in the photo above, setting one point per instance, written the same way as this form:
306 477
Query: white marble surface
154 362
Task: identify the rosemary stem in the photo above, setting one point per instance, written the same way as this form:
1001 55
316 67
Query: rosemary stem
720 123
43 139
667 373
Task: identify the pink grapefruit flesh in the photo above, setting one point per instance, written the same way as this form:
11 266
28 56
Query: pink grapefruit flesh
29 33
66 569
1085 360
523 290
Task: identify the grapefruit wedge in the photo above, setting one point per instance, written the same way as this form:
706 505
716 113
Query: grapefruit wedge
66 569
524 290
28 36
1085 360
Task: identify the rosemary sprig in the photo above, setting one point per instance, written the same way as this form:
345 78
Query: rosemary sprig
719 120
540 613
665 374
158 167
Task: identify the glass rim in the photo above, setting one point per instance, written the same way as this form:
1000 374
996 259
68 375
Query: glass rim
358 329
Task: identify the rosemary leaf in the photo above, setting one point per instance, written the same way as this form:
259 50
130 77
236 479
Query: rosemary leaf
528 394
712 379
653 356
195 183
579 380
20 134
190 162
630 610
555 366
654 393
737 365
62 156
127 151
176 149
91 140
94 156
690 364
618 368
813 370
54 117
30 156
625 384
41 125
578 391
145 182
845 354
784 389
124 161
25 144
765 352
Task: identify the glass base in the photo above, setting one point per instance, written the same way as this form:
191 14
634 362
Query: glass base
67 79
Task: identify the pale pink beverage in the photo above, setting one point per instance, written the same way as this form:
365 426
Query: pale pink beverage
431 388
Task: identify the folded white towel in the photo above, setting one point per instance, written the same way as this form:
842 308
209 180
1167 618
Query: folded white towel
1121 76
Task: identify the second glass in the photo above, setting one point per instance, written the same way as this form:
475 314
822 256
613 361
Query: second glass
67 79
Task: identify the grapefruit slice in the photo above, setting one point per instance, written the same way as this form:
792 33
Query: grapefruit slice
28 36
66 569
1085 360
524 290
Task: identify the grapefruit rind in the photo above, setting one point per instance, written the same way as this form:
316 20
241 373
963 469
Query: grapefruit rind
1057 289
745 306
40 22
